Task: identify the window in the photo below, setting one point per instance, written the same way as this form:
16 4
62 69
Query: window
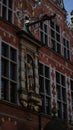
61 96
72 93
8 73
50 35
44 80
55 37
7 10
71 84
66 49
44 33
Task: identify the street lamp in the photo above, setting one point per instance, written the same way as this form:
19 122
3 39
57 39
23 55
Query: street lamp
42 19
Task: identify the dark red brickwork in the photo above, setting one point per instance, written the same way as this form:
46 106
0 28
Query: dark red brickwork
8 33
16 118
47 57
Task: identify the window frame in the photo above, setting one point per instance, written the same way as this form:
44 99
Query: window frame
44 94
71 92
7 78
54 39
43 33
11 18
66 48
62 112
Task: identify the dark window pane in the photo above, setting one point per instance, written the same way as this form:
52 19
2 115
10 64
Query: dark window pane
58 37
67 44
72 98
5 2
13 55
5 67
46 39
41 82
46 72
5 50
45 28
4 12
68 54
71 85
47 86
63 80
13 92
41 25
40 69
63 41
57 77
53 46
4 89
64 94
72 93
52 33
65 52
10 3
9 15
57 28
13 71
52 24
58 92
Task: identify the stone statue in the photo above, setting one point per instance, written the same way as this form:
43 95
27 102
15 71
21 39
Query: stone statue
30 80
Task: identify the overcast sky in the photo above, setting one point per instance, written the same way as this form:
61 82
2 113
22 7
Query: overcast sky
68 6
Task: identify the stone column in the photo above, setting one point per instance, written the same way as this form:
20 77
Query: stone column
36 75
53 91
22 68
68 93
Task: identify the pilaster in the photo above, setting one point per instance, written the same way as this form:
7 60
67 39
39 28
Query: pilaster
36 75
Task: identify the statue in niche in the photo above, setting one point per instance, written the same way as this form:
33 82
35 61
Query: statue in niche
29 74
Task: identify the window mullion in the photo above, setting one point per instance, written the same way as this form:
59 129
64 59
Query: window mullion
7 9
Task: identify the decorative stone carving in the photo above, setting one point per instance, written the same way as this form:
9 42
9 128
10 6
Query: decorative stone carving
29 95
59 3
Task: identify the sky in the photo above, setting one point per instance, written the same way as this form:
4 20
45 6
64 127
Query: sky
68 6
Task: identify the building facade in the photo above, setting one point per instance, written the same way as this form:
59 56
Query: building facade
36 64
